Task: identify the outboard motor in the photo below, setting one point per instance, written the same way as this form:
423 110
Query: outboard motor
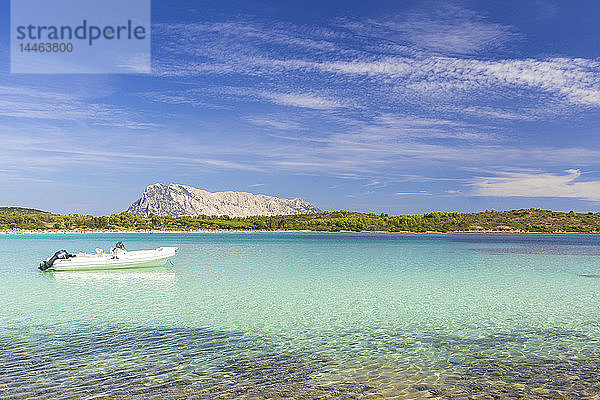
119 247
59 255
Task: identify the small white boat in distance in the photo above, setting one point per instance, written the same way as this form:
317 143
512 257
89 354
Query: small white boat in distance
118 258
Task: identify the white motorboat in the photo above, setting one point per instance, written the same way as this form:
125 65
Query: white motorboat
118 258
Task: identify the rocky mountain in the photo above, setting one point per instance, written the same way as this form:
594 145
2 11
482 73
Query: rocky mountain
177 200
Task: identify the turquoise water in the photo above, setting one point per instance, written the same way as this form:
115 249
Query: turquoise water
306 316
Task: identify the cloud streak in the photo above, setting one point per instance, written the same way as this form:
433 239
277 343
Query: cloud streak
443 28
417 59
23 102
301 100
519 184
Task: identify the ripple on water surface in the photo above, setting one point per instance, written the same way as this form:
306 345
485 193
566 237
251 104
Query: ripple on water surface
177 363
307 317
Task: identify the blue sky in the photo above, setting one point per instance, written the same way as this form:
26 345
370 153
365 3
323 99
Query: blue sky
397 107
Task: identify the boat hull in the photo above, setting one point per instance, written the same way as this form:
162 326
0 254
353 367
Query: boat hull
133 259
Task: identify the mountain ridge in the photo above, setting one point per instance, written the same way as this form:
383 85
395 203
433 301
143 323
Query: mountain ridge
22 210
177 200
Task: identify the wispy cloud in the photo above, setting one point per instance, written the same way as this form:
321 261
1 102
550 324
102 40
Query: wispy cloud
354 59
23 102
574 80
530 114
397 128
279 123
130 125
65 151
192 97
520 184
419 193
441 27
301 100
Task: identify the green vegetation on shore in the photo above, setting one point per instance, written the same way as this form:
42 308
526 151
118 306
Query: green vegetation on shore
525 220
22 210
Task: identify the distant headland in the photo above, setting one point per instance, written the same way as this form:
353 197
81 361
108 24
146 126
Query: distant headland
180 200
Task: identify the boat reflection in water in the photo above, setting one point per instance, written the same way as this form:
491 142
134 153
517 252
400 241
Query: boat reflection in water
161 274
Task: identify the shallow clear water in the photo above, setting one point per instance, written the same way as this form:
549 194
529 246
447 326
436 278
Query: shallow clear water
302 315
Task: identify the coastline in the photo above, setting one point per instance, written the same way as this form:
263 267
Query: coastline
129 231
510 221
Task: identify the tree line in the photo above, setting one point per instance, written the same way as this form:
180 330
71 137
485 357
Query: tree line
524 220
